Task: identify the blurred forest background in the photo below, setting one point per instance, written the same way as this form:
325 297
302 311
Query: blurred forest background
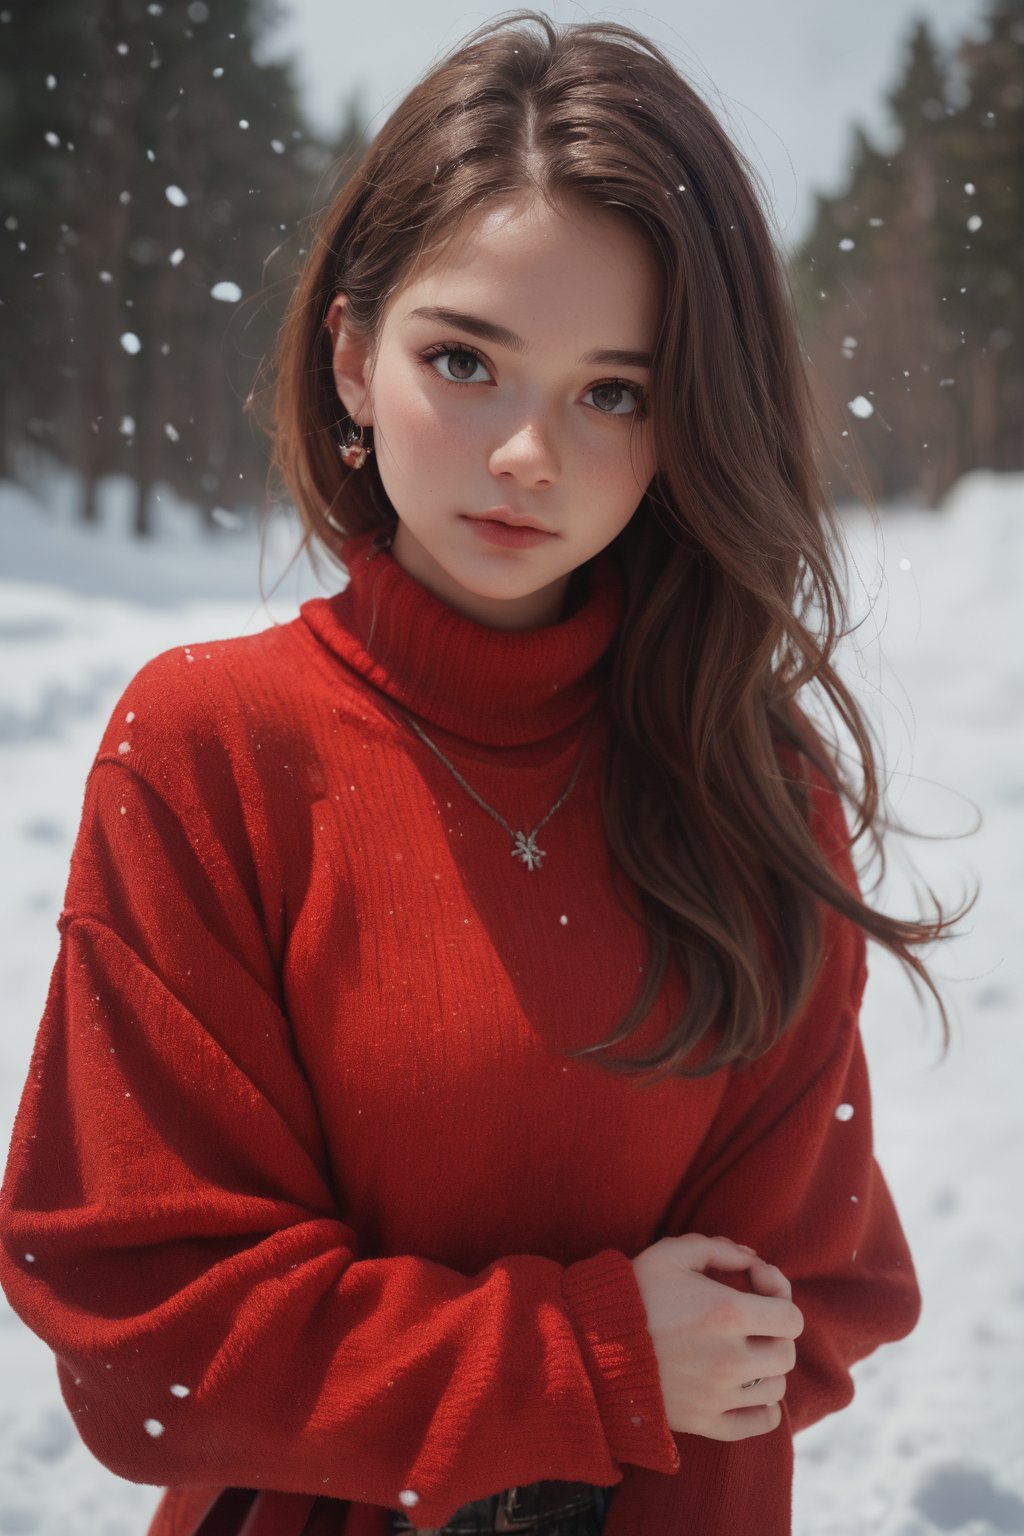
158 187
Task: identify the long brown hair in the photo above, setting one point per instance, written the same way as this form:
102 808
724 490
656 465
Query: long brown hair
733 600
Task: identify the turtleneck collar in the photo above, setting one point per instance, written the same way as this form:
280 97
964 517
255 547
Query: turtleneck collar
494 686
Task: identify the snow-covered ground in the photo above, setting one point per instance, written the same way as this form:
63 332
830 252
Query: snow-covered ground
933 1441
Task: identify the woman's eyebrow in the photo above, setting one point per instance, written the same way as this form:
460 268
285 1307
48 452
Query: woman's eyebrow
487 331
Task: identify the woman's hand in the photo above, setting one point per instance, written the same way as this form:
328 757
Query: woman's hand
709 1338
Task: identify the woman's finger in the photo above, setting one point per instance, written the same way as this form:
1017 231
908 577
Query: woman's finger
694 1251
769 1281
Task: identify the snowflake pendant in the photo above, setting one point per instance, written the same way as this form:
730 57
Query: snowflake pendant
525 848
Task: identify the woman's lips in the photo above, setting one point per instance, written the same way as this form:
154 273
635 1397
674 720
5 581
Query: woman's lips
503 533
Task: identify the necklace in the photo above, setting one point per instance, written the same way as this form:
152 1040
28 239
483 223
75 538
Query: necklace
524 844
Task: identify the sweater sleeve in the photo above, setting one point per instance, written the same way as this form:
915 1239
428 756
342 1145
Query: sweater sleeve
788 1168
169 1226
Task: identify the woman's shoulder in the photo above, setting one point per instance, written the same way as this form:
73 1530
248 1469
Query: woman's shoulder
199 687
242 700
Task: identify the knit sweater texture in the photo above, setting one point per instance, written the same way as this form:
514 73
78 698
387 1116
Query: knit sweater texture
304 1192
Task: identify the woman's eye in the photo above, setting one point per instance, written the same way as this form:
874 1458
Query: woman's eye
461 362
612 392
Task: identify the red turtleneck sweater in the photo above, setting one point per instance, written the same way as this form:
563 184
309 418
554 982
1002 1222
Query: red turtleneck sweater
303 1191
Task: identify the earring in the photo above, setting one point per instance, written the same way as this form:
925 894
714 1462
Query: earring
383 541
353 449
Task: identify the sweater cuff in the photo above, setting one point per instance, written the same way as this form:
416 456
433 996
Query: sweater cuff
607 1311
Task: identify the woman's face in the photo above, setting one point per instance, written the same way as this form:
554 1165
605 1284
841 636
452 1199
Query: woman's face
527 421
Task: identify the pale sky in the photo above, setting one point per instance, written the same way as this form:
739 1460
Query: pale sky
787 78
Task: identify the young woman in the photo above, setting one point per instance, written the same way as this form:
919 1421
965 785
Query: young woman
450 1111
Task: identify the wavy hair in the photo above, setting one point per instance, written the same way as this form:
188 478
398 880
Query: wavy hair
733 598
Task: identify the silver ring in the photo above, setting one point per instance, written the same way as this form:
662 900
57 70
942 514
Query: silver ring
755 1383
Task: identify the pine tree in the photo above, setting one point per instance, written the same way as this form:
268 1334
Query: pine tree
980 256
908 288
157 178
865 293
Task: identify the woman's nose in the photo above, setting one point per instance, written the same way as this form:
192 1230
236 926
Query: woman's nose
529 453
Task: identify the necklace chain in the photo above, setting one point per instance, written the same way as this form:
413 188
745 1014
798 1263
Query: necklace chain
524 845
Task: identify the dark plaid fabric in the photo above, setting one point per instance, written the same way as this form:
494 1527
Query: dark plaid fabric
552 1508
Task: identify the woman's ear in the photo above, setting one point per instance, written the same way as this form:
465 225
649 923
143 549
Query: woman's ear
350 361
